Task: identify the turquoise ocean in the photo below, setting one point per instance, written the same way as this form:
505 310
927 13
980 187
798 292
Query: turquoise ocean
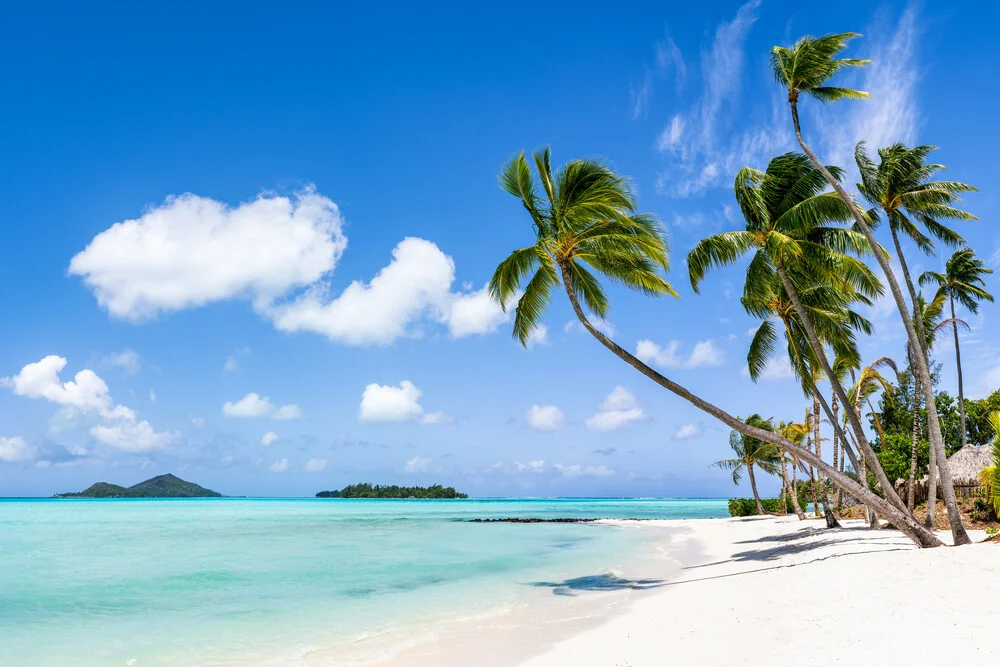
218 581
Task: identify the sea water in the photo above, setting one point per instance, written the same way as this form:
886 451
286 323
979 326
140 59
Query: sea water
221 581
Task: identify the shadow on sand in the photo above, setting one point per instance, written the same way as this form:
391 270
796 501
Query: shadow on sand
598 582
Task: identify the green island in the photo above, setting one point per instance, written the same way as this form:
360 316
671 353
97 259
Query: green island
161 486
392 491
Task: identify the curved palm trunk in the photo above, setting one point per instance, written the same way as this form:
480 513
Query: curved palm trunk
795 489
932 487
831 520
791 489
852 414
753 487
920 535
923 367
912 480
812 472
958 364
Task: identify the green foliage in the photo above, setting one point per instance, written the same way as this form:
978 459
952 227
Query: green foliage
977 418
585 220
991 531
990 476
161 486
747 506
894 455
366 490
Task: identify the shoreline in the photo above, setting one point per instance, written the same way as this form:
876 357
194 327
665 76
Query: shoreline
750 591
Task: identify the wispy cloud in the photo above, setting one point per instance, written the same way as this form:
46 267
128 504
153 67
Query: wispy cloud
892 113
668 59
704 353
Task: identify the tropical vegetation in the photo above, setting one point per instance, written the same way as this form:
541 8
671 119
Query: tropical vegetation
366 490
808 246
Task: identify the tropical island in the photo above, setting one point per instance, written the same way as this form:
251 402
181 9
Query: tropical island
435 491
161 486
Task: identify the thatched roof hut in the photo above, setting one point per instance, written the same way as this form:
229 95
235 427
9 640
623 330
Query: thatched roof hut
967 463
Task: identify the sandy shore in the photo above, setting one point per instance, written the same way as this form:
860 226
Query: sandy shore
777 591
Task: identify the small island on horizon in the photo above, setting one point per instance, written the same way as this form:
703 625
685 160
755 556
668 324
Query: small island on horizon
161 486
367 490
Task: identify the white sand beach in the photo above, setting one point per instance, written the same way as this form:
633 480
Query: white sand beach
760 591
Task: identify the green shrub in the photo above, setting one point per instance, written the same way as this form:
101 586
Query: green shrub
747 506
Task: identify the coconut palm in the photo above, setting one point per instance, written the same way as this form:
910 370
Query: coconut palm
752 452
584 219
790 231
963 281
899 187
807 67
794 432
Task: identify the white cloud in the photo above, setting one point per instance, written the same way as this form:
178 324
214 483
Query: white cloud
531 466
132 436
87 391
545 418
197 422
617 410
540 336
315 465
415 284
152 396
891 114
389 403
254 405
417 464
232 364
606 328
577 470
776 368
473 313
704 152
15 450
704 353
687 431
128 360
281 465
192 250
668 58
268 439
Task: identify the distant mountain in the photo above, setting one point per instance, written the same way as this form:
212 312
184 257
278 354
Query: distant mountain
368 491
161 486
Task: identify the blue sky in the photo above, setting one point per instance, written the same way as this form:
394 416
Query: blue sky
296 301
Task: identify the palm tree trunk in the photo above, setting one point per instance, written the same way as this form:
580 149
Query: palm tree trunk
932 487
836 449
812 473
912 480
753 487
817 448
923 367
920 535
784 484
958 364
795 490
853 414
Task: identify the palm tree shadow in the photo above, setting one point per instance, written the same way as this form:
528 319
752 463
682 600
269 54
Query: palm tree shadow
598 582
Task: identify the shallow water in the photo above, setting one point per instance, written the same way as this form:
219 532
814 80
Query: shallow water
213 581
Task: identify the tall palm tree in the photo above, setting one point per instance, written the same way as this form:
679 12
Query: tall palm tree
790 233
752 452
900 188
963 281
793 432
584 218
806 67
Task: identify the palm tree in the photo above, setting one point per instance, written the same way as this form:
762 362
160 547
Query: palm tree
806 67
794 432
752 452
584 218
900 187
962 280
788 230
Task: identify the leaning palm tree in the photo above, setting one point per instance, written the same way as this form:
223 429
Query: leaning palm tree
962 280
584 219
790 229
899 187
752 452
807 67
